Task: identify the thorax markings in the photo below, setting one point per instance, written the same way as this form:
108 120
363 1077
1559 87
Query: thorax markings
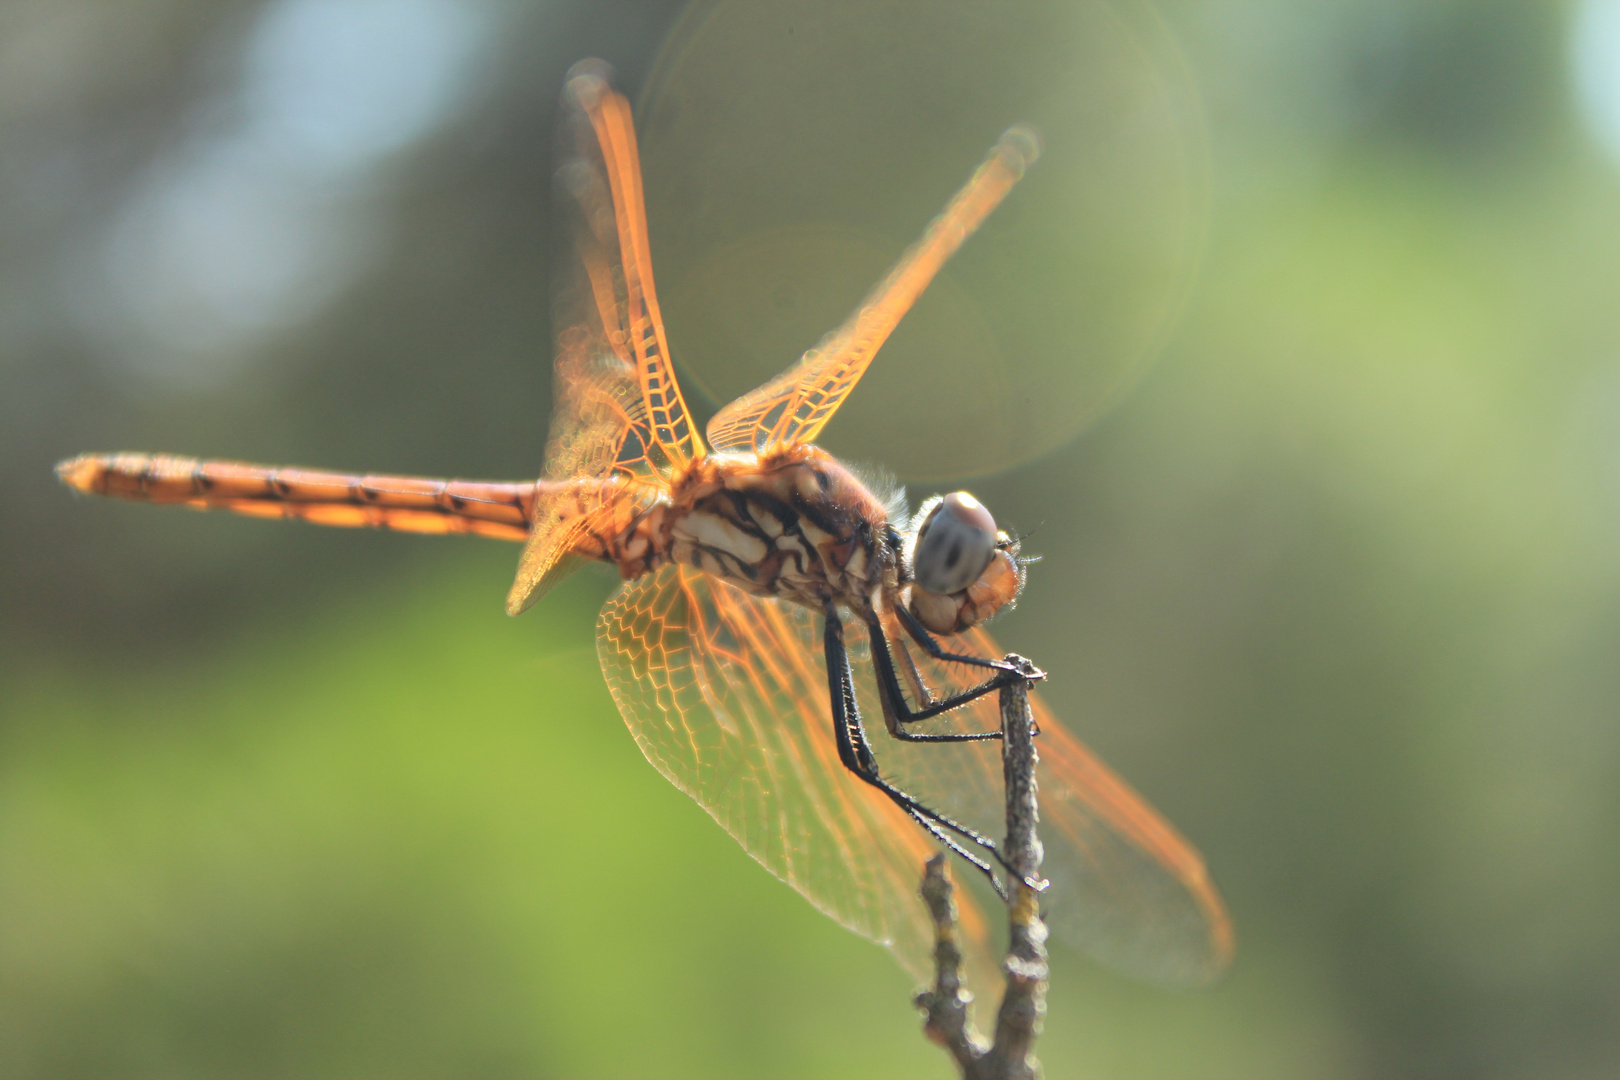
793 524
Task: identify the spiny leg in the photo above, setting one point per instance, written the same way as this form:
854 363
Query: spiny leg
933 648
895 710
856 754
895 713
949 841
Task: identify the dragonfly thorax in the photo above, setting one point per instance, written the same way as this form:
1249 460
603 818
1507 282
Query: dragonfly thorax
791 523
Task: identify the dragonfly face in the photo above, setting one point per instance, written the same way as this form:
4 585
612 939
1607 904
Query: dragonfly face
769 596
963 569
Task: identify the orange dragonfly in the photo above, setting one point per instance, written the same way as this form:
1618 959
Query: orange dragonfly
741 561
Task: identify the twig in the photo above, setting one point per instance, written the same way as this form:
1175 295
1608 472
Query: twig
1023 1004
946 1005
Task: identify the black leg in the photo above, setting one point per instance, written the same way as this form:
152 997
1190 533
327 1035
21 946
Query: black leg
922 637
897 713
1008 672
856 754
949 841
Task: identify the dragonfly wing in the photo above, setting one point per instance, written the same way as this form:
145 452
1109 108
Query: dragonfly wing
1125 886
726 694
794 406
616 404
605 141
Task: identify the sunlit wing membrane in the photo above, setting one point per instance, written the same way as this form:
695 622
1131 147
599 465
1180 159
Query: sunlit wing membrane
549 554
794 406
726 694
616 405
1126 887
670 424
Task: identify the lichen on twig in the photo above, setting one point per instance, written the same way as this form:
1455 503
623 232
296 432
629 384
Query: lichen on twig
1023 1003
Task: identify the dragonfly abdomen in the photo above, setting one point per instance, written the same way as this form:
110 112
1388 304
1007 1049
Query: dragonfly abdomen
405 503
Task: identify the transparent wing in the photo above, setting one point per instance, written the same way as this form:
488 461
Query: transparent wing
1125 886
726 694
616 404
673 441
794 406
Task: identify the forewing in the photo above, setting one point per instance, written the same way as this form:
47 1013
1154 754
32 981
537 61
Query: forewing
616 405
668 438
794 406
726 694
1125 886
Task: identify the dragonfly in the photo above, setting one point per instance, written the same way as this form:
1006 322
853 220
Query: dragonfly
770 594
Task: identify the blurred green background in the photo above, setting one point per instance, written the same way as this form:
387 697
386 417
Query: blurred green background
1332 574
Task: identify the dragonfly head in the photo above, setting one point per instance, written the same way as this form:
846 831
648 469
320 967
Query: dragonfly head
963 569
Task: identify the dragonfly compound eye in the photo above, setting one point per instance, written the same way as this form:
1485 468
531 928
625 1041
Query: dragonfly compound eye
954 544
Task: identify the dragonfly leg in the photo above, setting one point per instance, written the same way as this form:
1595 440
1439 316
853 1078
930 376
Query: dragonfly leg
922 637
951 842
856 754
897 713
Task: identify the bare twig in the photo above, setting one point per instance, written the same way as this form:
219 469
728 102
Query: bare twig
946 1005
1023 1004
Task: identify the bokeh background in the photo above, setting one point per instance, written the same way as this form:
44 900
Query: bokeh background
1299 352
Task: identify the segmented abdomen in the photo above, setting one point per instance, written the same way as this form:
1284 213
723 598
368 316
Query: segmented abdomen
405 503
